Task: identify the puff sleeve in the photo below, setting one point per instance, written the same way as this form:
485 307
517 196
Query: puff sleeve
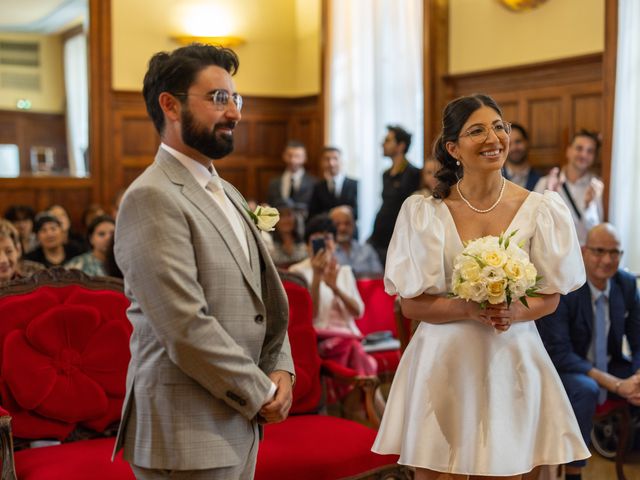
415 258
555 250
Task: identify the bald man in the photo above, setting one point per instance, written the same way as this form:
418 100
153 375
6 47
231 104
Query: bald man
362 258
591 369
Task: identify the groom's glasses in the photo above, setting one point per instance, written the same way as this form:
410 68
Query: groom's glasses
220 98
480 133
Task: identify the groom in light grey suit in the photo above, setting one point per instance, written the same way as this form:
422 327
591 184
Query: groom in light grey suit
210 356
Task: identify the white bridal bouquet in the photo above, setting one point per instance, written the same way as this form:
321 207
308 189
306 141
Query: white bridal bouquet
494 270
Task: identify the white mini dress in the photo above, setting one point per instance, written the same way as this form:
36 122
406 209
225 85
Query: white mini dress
465 399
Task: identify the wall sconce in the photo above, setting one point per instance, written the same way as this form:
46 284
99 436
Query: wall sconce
521 5
225 41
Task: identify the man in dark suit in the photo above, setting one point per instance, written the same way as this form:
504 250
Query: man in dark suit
335 189
584 336
295 183
517 168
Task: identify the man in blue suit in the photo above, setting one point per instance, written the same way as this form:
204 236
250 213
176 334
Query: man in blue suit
591 368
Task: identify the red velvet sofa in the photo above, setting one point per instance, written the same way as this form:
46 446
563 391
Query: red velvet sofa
63 359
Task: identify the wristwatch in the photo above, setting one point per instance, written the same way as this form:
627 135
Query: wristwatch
293 379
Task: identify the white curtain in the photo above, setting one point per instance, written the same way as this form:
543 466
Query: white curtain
77 92
625 160
374 78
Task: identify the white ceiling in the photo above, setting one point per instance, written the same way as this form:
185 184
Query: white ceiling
45 16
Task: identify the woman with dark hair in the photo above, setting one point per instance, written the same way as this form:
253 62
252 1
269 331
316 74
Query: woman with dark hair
466 400
100 236
335 298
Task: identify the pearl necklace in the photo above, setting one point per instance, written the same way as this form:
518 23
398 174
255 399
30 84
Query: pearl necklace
487 210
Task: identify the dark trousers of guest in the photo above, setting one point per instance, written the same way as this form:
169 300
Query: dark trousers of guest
583 392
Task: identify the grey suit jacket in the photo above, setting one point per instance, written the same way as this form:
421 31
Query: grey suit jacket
209 325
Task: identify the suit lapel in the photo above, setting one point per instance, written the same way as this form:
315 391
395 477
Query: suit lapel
585 304
192 190
616 314
275 297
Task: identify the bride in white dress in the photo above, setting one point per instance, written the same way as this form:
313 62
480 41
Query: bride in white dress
476 393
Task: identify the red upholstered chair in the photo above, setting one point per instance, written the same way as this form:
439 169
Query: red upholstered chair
308 445
612 431
378 316
64 351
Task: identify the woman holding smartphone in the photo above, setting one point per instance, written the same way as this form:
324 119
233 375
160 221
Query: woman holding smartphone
335 297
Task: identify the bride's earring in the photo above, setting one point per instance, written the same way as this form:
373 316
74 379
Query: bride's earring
458 162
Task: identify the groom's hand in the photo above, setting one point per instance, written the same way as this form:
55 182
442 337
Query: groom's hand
277 409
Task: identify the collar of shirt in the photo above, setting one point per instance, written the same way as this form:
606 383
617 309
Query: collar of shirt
297 176
198 170
595 292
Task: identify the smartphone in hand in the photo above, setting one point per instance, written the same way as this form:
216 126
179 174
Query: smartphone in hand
317 244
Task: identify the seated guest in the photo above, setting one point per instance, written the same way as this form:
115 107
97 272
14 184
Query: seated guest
287 246
52 250
9 252
428 180
75 240
362 258
335 189
584 335
335 297
579 188
22 217
12 265
517 168
100 235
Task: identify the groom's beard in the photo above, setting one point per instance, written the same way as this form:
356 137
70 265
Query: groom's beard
211 144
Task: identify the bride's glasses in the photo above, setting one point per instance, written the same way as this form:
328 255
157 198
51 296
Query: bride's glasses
479 133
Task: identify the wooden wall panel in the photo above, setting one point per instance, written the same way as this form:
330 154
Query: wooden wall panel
552 100
587 112
31 129
266 125
75 194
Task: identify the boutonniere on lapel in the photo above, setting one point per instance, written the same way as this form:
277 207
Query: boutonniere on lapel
265 218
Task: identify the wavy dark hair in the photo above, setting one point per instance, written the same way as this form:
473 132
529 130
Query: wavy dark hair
455 115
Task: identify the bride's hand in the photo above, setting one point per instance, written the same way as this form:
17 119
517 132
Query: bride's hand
477 313
502 316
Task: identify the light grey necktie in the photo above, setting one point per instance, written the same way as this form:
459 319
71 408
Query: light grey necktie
214 185
600 341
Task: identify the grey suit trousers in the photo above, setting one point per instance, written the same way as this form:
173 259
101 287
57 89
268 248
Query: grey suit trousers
243 471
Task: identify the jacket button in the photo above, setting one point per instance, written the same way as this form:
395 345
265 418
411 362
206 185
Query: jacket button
259 318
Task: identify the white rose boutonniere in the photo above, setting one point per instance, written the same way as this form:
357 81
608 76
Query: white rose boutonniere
265 218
